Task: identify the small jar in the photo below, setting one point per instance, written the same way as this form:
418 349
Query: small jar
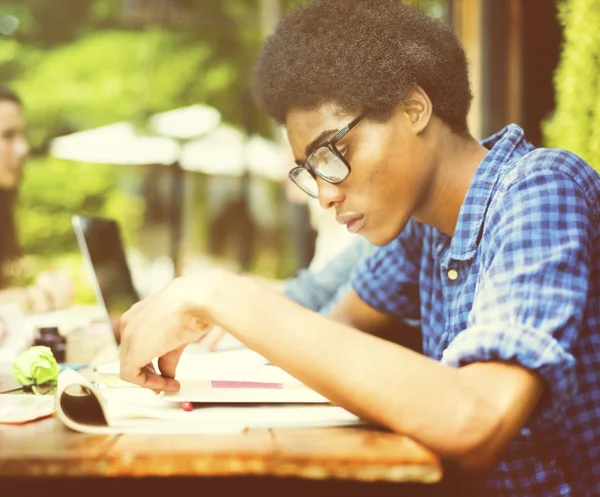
50 337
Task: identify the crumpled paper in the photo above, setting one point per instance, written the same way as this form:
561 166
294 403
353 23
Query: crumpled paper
34 366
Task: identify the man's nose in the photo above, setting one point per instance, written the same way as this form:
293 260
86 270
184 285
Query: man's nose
329 193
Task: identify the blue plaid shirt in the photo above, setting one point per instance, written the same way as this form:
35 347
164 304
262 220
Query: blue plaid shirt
518 282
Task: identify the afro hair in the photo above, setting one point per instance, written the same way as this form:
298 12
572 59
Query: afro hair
362 54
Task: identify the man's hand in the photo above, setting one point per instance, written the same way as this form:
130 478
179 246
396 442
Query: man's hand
210 341
160 326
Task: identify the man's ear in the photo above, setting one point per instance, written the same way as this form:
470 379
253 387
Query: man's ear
418 109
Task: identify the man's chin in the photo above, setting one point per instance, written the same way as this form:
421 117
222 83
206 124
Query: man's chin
383 236
376 238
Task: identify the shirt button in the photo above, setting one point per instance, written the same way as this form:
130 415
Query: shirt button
452 274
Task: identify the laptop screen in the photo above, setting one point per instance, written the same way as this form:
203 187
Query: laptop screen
101 246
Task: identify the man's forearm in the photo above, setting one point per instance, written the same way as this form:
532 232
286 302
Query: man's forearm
400 389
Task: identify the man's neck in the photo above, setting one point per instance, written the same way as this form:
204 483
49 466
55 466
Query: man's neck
456 160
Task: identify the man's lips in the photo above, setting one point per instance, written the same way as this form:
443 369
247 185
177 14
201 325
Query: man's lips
353 222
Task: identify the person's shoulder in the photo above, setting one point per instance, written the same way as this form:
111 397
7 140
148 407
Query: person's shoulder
556 159
553 168
543 184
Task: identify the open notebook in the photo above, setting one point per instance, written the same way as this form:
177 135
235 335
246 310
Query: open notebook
219 406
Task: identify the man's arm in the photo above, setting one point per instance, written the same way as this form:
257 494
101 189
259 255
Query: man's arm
451 410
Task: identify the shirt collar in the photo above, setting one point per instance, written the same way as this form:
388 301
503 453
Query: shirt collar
505 146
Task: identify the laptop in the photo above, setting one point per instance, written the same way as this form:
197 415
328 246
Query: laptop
103 252
101 246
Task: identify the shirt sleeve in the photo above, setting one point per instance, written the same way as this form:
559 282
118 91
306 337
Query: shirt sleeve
532 290
388 281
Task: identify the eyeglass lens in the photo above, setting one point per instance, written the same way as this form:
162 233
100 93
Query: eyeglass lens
325 164
328 165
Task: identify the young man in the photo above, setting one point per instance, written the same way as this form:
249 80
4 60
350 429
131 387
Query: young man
495 246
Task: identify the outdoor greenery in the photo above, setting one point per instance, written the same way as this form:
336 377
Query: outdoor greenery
99 65
81 64
575 124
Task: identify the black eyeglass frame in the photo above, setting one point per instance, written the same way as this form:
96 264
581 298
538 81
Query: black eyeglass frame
329 144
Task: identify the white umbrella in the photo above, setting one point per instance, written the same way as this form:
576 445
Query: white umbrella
226 151
221 152
117 143
120 144
267 158
185 123
207 147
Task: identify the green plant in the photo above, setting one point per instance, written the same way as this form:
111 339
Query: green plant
51 192
575 124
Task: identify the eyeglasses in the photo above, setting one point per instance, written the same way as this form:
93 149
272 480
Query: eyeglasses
326 162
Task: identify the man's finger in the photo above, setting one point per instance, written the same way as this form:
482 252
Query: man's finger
148 378
167 364
128 370
159 383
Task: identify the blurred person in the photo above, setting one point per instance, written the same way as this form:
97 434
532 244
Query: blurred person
316 289
52 289
321 290
493 244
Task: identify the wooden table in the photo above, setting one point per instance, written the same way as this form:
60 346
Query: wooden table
274 460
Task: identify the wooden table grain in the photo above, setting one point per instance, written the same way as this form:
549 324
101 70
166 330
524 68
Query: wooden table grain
47 449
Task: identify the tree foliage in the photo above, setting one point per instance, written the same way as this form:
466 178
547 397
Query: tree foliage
80 64
575 124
